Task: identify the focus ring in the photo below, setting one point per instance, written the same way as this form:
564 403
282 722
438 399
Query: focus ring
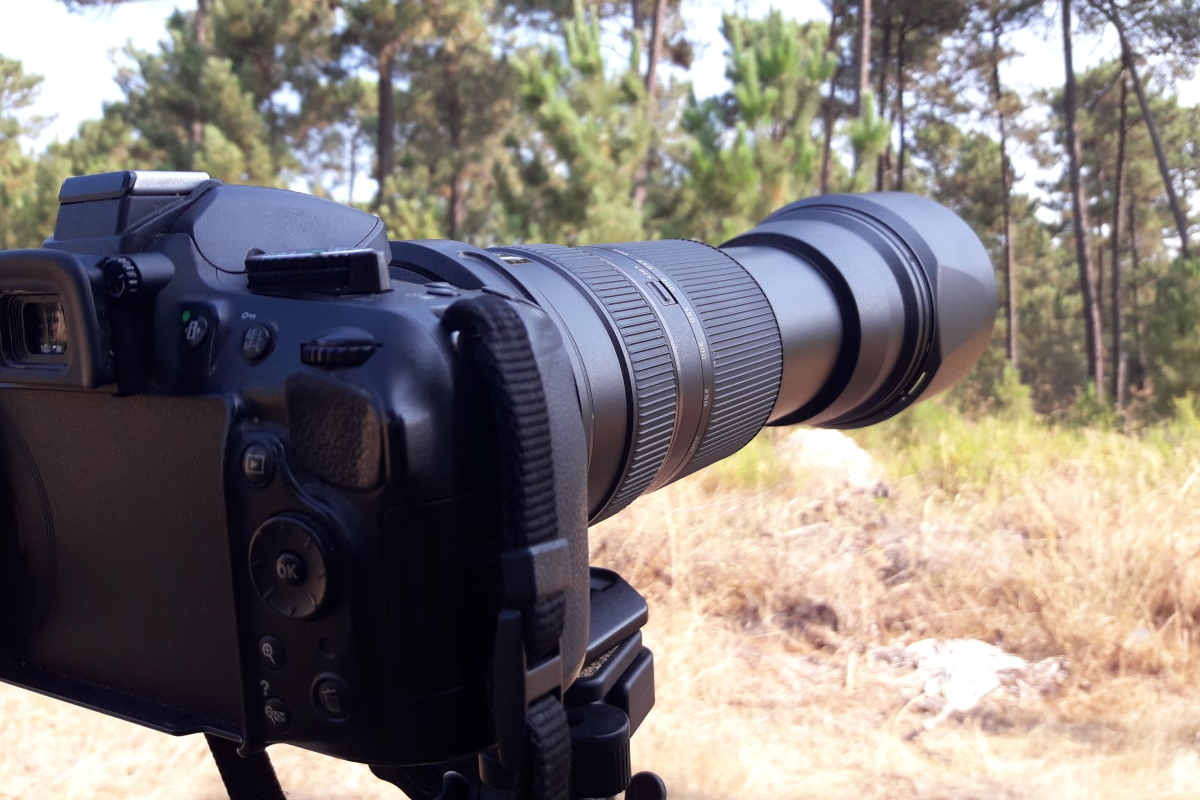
740 333
651 366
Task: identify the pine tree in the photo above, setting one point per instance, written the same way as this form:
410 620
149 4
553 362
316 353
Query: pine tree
1088 285
1175 24
755 148
455 113
573 168
18 215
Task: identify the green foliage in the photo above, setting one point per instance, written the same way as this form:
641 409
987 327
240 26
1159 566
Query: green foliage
868 135
1174 333
754 148
190 111
452 121
494 121
18 211
572 182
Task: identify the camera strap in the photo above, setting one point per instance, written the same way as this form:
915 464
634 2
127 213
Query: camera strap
246 778
533 737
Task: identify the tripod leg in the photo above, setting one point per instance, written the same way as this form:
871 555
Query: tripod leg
250 778
646 786
439 782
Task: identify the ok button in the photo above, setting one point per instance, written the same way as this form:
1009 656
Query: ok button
291 569
289 565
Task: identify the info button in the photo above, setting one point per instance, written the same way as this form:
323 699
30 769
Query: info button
195 328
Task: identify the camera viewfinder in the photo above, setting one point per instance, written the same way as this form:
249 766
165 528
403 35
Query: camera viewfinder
43 329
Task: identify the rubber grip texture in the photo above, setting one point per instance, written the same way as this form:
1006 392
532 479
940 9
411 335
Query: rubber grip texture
651 365
741 336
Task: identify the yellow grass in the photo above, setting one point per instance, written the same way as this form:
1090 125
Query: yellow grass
771 579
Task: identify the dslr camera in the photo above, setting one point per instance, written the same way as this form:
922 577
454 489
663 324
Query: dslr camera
271 477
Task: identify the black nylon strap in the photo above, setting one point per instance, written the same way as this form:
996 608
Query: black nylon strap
249 778
493 337
549 749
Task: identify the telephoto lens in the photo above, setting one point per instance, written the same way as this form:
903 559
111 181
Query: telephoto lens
837 311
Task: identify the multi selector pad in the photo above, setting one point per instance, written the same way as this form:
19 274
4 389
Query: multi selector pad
288 566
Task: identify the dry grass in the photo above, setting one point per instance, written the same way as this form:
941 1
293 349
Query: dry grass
771 578
1079 544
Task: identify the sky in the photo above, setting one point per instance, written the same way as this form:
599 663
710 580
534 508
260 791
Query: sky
75 52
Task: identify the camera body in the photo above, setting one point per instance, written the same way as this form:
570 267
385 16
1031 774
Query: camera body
251 479
272 477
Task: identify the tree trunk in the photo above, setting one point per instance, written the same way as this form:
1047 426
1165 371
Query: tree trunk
1139 343
656 37
353 166
901 115
1087 277
864 55
196 128
885 55
1118 352
385 141
456 208
1164 169
643 171
1010 277
827 146
202 23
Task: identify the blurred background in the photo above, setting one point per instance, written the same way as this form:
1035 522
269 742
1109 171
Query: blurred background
996 595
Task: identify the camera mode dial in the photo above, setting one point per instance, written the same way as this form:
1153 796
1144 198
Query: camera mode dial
288 564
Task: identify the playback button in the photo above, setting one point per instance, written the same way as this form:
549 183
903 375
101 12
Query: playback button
258 464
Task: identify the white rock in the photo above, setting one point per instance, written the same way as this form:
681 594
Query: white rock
833 456
953 676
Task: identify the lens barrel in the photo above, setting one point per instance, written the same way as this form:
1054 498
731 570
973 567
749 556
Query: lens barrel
837 311
680 350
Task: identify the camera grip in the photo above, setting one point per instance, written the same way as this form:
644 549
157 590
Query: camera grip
531 725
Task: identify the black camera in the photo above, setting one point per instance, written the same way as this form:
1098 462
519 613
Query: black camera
272 477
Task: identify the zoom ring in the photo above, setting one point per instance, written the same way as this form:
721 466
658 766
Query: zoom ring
651 366
741 335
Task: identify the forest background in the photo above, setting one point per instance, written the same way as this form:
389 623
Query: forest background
577 122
